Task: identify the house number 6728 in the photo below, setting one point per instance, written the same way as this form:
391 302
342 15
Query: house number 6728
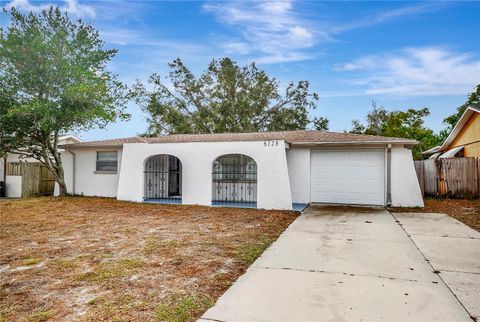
270 143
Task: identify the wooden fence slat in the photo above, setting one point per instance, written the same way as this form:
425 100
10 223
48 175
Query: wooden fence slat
452 178
36 178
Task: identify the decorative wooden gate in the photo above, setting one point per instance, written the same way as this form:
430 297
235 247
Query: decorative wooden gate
36 178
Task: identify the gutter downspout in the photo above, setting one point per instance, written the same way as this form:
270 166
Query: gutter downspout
73 170
389 175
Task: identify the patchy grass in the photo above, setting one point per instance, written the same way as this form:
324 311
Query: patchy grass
248 253
107 260
39 316
30 261
180 308
466 211
111 269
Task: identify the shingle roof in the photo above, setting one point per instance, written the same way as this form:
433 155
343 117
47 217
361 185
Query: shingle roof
293 137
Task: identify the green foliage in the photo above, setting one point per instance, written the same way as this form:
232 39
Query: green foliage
451 120
404 124
321 123
181 308
224 98
53 80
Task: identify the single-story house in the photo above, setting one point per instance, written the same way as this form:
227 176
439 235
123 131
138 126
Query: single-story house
271 170
464 140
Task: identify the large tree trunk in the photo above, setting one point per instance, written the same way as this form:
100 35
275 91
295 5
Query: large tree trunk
54 164
62 188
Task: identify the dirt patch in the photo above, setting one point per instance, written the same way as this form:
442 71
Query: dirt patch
466 211
101 259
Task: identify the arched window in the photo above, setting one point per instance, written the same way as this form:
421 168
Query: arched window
234 179
163 179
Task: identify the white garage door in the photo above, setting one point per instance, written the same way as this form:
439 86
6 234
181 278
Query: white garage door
348 177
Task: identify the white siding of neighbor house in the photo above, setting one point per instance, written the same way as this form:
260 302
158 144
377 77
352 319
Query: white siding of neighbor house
273 186
298 160
405 189
87 181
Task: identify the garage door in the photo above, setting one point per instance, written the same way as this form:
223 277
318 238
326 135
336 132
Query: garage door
348 177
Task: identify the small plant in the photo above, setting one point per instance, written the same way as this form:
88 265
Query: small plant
171 243
248 253
30 261
112 269
115 308
65 264
40 315
150 246
183 307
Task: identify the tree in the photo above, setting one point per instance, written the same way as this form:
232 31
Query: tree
53 80
405 124
224 98
321 123
451 120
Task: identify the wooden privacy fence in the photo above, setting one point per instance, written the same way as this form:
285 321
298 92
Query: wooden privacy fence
36 178
450 178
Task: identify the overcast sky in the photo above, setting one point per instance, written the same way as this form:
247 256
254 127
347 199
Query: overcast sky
400 54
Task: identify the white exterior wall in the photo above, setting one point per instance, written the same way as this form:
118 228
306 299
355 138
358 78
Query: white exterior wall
87 181
14 186
298 160
273 186
405 189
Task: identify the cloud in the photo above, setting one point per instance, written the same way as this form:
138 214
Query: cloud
415 71
384 16
278 31
272 30
71 6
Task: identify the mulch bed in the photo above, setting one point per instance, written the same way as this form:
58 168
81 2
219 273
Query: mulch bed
466 211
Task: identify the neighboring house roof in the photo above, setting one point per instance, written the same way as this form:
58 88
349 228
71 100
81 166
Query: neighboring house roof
460 124
451 153
293 137
433 150
68 139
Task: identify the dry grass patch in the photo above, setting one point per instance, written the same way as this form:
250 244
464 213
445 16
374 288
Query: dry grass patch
101 259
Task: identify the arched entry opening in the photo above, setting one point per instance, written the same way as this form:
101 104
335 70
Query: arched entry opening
234 181
162 179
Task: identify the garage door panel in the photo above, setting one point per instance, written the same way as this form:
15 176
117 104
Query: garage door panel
351 177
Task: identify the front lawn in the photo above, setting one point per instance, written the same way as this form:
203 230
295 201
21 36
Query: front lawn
82 258
466 211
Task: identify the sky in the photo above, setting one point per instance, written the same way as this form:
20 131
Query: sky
399 54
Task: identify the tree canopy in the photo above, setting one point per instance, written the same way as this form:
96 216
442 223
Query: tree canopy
405 124
53 79
224 98
451 120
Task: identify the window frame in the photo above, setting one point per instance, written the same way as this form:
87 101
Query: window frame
106 171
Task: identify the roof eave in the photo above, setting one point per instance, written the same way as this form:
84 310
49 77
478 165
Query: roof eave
406 142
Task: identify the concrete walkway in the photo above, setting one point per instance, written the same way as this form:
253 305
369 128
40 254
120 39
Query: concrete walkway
340 264
453 250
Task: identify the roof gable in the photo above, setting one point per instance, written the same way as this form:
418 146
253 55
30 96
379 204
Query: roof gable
457 129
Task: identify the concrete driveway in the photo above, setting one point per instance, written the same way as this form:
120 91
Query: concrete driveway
340 264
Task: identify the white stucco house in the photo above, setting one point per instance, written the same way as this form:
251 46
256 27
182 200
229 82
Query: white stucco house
271 170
